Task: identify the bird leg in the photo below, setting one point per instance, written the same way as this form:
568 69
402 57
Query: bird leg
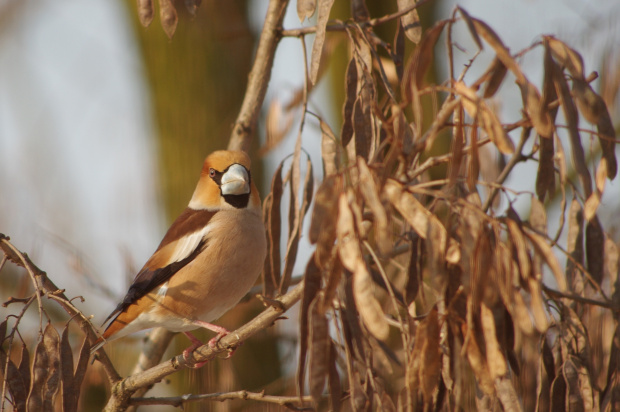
221 332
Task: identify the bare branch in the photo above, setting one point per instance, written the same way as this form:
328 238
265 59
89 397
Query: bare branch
245 125
287 401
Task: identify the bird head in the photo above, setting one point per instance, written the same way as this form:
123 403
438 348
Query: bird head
225 183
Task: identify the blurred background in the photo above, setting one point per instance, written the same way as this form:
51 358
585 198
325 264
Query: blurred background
104 126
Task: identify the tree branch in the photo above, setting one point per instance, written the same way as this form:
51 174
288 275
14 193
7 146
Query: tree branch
245 125
44 284
123 390
287 401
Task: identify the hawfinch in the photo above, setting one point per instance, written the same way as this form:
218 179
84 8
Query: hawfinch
208 260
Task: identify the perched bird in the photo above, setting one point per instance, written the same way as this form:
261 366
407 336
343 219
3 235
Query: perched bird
208 260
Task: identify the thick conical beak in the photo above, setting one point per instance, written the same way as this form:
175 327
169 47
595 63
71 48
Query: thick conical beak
235 181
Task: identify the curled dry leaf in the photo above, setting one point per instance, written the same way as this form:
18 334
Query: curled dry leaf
45 371
572 120
595 249
421 60
324 216
477 361
477 108
271 272
351 257
312 285
495 358
420 218
410 21
296 217
16 382
319 351
330 150
349 101
325 7
370 193
547 254
424 368
277 124
566 56
497 72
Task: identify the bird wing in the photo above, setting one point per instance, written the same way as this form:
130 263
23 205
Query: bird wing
185 239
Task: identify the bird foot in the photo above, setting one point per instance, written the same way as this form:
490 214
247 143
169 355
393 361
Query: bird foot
196 343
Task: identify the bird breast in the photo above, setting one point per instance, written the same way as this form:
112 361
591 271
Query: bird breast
222 273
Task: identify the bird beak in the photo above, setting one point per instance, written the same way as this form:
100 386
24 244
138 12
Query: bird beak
235 181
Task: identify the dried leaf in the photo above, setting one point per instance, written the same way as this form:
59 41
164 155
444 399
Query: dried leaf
424 367
572 120
305 9
325 7
410 21
474 106
70 388
567 57
414 275
330 150
335 388
350 99
497 72
536 109
478 363
15 381
518 241
168 17
277 124
458 142
398 51
546 253
296 217
45 371
470 26
319 351
271 276
312 285
558 394
351 257
594 200
145 12
495 359
421 59
324 215
370 193
500 49
545 178
595 249
606 135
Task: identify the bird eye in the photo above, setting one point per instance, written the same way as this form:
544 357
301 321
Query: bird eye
212 172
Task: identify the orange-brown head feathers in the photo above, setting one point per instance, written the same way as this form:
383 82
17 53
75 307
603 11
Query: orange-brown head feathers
226 182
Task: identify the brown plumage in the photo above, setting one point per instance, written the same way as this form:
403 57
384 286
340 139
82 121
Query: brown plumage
207 261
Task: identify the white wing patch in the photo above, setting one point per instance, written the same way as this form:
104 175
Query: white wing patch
186 245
